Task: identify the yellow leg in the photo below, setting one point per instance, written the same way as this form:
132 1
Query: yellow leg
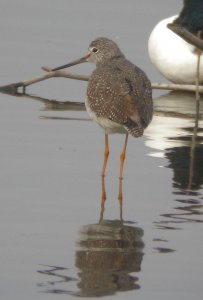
122 160
103 197
103 200
122 157
120 197
106 154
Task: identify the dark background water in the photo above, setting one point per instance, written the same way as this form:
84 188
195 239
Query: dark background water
51 157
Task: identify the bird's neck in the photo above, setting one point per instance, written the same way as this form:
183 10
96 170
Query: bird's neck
113 60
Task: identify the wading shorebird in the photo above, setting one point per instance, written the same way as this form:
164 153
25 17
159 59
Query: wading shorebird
119 94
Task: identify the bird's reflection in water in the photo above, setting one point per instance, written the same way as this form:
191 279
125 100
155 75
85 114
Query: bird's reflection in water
107 256
108 252
181 141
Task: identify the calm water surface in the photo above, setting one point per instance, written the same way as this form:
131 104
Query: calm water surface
52 246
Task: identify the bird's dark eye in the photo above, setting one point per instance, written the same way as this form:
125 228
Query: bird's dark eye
94 49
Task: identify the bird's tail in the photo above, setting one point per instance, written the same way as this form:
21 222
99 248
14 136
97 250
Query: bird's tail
134 128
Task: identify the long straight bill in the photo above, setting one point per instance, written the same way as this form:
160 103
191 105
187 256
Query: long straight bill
73 63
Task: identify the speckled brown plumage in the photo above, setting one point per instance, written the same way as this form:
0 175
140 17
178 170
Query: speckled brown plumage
118 90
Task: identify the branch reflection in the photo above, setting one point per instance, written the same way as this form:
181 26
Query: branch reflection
180 139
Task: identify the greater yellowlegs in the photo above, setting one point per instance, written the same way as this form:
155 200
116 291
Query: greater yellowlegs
119 94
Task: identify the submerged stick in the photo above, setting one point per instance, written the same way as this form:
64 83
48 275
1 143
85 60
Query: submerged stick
199 52
13 87
177 87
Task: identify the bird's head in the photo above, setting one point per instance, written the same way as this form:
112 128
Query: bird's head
100 50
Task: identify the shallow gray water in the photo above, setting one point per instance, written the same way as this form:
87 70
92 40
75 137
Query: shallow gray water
51 245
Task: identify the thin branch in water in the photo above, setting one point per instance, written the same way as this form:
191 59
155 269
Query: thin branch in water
177 87
199 52
13 87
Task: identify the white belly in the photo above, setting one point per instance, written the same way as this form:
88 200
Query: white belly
108 126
